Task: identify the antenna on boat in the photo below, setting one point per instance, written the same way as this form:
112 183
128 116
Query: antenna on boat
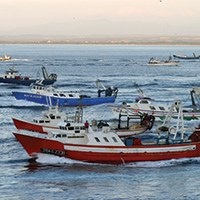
100 85
140 91
44 72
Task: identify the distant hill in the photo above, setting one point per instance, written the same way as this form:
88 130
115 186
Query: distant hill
101 39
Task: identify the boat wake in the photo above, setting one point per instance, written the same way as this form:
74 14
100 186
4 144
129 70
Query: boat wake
20 59
6 95
165 163
55 160
51 159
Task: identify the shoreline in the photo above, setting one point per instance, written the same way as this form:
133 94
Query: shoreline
101 43
101 40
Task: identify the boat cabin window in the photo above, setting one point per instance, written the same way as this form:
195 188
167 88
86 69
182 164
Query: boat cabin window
161 108
144 101
47 121
58 117
68 124
52 116
41 121
61 135
97 139
71 128
114 139
62 128
64 135
55 94
106 139
77 129
70 95
62 95
58 135
152 107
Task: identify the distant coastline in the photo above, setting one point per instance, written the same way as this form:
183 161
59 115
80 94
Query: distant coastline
129 40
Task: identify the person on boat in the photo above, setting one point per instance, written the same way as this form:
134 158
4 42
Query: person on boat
99 92
108 92
115 91
86 125
147 120
102 123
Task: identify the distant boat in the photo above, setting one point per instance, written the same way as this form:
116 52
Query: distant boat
156 62
187 57
12 76
5 57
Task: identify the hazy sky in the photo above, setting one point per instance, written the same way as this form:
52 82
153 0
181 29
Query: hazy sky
97 17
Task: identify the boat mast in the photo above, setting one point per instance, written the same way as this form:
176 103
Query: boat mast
179 128
44 72
79 114
195 97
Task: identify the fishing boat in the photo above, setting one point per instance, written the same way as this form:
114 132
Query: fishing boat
52 97
159 111
75 141
194 57
5 58
13 76
156 62
48 120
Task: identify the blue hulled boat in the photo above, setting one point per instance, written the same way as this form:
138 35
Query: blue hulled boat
51 96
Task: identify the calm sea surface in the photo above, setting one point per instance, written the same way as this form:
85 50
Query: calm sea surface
78 67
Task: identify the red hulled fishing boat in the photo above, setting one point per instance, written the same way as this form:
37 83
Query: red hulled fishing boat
76 141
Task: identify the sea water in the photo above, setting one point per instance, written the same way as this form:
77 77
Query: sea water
78 67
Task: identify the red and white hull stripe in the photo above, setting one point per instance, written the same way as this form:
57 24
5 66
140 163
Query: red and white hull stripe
107 154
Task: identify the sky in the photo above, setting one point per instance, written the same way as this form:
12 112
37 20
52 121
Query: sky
100 17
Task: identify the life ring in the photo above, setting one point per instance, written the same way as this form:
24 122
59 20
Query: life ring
172 130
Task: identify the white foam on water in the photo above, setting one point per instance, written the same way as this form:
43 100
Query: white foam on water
164 163
52 159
